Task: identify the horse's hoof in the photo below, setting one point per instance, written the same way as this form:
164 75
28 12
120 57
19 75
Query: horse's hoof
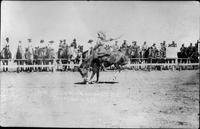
90 82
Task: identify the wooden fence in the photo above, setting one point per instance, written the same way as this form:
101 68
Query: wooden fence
56 64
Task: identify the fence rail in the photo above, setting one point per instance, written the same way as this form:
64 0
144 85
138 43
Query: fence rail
56 64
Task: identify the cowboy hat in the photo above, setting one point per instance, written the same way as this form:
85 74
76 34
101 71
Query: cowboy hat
90 41
7 39
29 40
41 41
51 41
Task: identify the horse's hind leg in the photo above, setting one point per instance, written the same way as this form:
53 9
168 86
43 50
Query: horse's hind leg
118 71
97 75
93 73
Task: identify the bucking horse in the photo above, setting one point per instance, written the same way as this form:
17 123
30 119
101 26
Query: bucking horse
102 58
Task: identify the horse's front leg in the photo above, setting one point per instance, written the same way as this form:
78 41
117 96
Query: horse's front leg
98 71
118 71
93 73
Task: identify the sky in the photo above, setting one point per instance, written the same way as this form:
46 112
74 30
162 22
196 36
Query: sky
139 21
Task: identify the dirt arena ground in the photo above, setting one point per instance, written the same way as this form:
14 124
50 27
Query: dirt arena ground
137 99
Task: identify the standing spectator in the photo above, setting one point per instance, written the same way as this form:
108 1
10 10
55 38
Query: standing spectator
174 44
91 47
74 53
144 46
7 41
29 43
154 46
134 45
163 50
144 49
190 50
124 45
154 50
197 47
115 46
134 49
42 44
60 44
64 43
190 46
182 49
74 44
80 47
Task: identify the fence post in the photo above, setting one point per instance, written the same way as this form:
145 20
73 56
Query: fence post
173 67
53 65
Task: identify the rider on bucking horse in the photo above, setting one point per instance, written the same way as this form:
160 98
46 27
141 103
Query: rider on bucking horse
99 49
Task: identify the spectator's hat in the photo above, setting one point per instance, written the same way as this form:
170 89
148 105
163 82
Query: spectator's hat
7 39
41 41
74 39
90 41
51 41
29 40
154 44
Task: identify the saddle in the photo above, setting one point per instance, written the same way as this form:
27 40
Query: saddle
101 52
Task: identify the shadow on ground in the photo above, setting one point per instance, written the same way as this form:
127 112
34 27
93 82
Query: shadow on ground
105 82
